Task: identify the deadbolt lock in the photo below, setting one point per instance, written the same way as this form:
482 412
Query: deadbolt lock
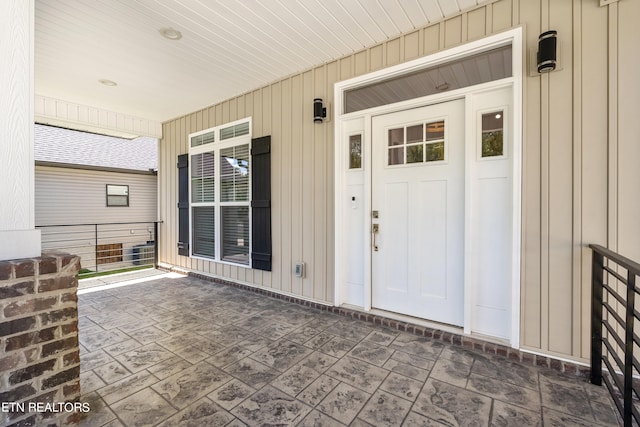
374 214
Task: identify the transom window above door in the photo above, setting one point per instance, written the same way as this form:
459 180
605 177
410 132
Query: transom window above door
483 67
416 143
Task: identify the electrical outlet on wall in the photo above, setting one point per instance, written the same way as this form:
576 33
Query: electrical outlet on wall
299 269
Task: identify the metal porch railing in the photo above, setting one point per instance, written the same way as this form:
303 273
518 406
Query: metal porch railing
614 341
105 247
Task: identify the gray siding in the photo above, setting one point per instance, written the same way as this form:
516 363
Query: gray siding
76 196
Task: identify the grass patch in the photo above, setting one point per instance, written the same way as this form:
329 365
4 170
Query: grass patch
87 274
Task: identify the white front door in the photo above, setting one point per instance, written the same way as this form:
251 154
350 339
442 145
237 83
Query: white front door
418 205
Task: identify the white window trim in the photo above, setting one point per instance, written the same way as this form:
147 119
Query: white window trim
216 147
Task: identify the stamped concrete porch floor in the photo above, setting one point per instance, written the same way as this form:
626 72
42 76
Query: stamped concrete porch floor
188 352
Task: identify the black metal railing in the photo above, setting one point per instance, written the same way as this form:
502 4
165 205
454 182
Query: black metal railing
105 247
613 339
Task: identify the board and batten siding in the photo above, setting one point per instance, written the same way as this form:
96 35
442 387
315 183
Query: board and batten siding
78 196
580 149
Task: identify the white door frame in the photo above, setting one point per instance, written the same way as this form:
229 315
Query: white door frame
511 37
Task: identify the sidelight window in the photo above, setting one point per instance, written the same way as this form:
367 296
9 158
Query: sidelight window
492 134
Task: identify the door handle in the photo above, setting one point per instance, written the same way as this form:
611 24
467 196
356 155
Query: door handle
376 229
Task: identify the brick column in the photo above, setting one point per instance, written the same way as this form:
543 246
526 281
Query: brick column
39 353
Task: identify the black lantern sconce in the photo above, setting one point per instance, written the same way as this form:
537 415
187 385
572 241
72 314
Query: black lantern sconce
319 112
547 51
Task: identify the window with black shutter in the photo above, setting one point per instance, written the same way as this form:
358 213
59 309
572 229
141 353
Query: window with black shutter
224 196
261 203
183 204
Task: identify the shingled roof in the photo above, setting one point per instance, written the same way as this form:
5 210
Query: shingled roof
58 145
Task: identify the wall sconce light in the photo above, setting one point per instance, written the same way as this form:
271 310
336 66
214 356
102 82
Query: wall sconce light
547 48
319 112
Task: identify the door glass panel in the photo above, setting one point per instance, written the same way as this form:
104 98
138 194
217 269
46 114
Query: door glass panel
355 151
424 143
414 154
396 136
492 134
414 134
434 131
396 156
435 151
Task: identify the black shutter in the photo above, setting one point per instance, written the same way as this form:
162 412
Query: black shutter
183 204
261 203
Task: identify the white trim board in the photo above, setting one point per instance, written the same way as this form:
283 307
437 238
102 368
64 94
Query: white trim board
57 112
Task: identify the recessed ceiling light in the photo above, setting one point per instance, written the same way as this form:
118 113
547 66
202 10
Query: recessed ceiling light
498 115
442 87
107 82
170 33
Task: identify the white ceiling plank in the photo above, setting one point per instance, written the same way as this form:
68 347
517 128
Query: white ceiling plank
263 24
351 25
467 4
449 7
203 54
318 27
381 17
396 11
360 15
415 12
347 33
285 17
220 38
431 9
228 47
249 38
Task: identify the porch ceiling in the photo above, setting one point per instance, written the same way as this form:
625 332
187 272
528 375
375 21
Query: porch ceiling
228 47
